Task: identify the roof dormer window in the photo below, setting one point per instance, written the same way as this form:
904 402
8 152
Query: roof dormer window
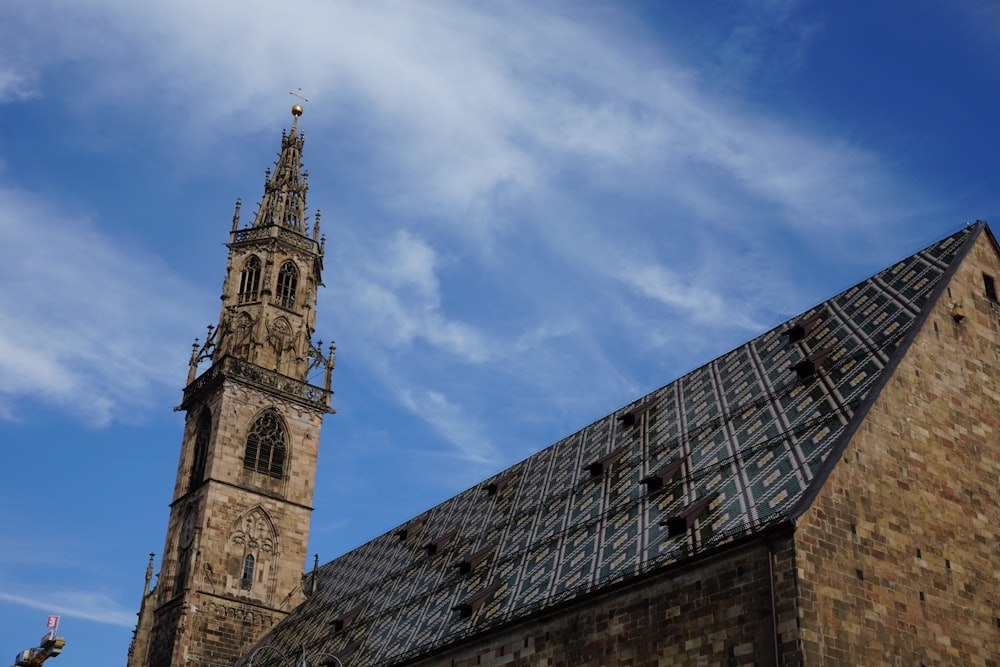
601 465
808 367
469 606
803 327
435 546
630 417
681 522
470 563
657 479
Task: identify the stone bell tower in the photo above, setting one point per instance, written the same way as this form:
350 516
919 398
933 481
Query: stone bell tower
237 535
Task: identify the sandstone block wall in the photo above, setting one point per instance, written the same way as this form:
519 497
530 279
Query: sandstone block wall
898 557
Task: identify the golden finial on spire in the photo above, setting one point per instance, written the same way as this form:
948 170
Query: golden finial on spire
297 108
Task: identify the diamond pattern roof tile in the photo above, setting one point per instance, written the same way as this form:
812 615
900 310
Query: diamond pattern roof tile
754 435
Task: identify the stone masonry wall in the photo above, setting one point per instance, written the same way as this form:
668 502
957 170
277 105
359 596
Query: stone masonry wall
716 612
898 557
287 504
220 629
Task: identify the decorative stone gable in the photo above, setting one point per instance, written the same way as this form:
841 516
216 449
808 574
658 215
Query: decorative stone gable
253 547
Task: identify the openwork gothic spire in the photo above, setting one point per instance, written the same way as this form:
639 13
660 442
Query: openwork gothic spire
284 200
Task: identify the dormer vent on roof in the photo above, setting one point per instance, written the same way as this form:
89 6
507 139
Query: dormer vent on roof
681 522
807 368
346 619
470 605
804 327
435 546
495 487
470 563
601 465
657 479
629 418
410 529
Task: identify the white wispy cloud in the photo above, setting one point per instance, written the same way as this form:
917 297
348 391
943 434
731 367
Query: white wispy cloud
394 295
392 299
87 605
86 318
495 137
13 85
467 99
743 54
450 420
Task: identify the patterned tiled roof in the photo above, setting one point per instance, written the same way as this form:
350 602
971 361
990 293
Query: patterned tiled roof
726 450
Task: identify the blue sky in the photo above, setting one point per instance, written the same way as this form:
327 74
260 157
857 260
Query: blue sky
535 212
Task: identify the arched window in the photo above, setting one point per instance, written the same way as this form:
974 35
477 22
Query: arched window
265 450
183 558
246 582
249 280
202 435
288 280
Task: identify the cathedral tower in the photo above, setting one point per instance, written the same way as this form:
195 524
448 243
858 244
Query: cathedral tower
237 535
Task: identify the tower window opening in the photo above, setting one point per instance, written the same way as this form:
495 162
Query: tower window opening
991 287
265 451
250 280
288 279
182 571
201 438
246 582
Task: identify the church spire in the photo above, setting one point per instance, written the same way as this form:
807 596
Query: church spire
236 539
284 200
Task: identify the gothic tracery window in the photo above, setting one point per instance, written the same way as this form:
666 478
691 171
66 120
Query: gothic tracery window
203 434
249 280
243 336
252 546
279 335
265 451
288 279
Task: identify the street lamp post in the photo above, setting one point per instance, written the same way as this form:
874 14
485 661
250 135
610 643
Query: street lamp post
257 652
326 655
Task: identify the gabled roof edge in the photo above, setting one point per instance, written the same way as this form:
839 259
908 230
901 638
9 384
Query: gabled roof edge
989 235
839 447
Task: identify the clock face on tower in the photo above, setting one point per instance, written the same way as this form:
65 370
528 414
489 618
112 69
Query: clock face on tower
187 530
